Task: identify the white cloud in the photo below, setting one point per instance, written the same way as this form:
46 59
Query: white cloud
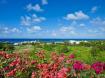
77 16
92 30
69 30
94 9
26 20
34 29
34 7
82 25
30 20
35 18
44 2
54 33
6 30
98 22
64 29
15 30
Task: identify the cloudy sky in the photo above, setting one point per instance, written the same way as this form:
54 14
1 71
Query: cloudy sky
52 19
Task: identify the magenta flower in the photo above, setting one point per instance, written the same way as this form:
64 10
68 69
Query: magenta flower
104 66
78 66
98 67
72 56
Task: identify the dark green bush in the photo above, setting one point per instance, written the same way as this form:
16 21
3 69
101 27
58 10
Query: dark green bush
5 46
63 49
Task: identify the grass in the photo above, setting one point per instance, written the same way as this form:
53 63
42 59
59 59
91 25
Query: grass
82 53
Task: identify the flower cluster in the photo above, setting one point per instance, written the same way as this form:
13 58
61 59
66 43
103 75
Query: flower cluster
58 66
5 55
99 67
78 66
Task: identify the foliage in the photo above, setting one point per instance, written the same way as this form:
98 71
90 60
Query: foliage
21 65
5 46
54 60
63 49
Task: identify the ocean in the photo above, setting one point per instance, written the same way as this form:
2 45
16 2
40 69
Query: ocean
44 40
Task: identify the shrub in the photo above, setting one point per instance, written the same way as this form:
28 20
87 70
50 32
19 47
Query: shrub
63 49
59 66
5 46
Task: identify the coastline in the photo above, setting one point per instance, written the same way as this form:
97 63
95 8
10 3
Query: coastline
21 41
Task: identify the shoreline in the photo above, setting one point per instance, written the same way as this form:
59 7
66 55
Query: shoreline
22 41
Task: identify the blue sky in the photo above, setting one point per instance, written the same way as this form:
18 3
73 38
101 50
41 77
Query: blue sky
52 19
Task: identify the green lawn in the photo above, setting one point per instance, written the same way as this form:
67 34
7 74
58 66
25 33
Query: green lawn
81 53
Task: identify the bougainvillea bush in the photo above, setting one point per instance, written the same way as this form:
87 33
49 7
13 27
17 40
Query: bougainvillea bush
36 65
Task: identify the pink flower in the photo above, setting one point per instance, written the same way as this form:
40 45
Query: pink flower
7 68
7 56
78 66
68 61
72 56
61 59
2 53
61 75
33 75
43 66
15 62
98 67
63 72
104 66
33 62
11 73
